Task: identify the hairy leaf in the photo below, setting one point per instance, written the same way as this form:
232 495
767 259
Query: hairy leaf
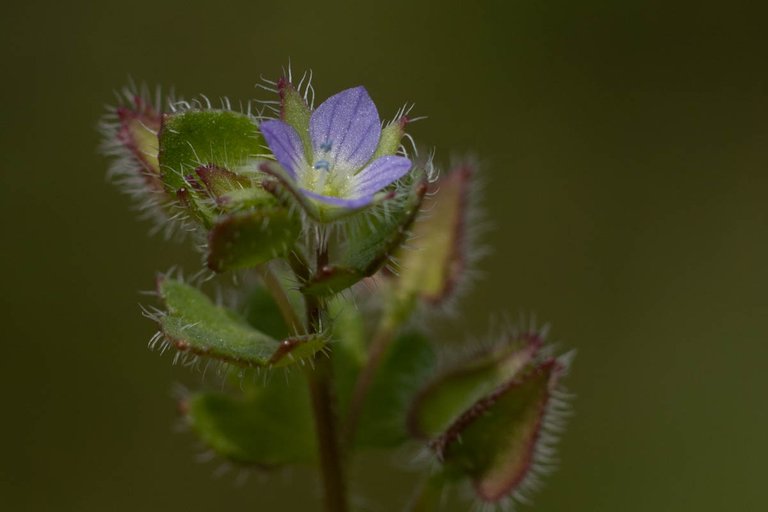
197 138
455 389
270 425
494 442
433 267
249 238
193 323
139 124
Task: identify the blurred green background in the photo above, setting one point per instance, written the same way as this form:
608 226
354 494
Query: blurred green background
625 146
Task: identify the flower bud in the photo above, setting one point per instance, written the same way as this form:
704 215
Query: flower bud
489 417
129 135
437 263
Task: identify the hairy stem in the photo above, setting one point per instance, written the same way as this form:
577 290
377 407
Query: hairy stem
324 408
327 437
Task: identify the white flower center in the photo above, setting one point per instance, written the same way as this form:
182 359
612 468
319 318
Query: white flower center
325 177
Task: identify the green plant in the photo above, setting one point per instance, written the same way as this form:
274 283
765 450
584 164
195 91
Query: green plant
344 245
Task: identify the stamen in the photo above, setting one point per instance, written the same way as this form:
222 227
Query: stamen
326 146
322 164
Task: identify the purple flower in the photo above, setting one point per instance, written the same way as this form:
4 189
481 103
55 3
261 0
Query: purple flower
344 133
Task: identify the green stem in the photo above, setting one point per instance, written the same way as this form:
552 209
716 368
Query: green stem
320 380
327 437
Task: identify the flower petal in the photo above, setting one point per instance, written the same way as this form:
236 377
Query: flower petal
351 203
380 173
286 145
345 129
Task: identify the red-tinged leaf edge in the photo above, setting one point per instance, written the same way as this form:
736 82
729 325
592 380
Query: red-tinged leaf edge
143 113
264 352
491 484
512 354
437 275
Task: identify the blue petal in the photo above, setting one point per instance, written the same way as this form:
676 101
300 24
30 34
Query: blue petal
286 145
351 203
380 173
346 128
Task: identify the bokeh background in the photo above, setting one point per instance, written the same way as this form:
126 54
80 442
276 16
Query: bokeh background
625 145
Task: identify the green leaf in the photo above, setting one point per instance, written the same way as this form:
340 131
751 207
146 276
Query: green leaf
249 238
269 426
205 137
432 269
193 323
382 422
494 442
455 389
365 252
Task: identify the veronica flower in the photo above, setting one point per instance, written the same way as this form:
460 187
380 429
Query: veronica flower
338 169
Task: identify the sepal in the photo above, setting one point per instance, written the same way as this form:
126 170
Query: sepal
365 252
295 111
391 137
